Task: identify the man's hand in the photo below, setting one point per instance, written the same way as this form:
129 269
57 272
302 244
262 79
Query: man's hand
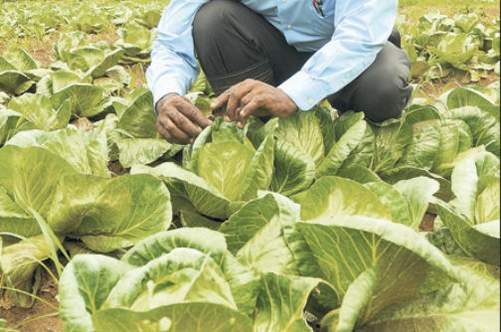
179 121
246 98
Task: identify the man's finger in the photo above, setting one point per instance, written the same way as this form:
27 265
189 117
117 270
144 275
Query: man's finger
175 133
221 100
163 131
185 124
238 93
191 112
249 109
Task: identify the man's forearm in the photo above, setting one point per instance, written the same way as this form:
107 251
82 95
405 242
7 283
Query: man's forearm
174 66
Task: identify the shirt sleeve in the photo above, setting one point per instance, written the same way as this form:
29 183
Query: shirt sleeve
173 62
362 28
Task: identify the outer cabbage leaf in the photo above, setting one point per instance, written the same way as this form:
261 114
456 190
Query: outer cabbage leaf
84 286
14 71
19 59
481 243
182 275
138 120
18 263
14 82
141 151
455 138
260 170
62 79
108 61
243 281
409 173
407 200
473 173
67 42
136 40
294 171
425 145
483 126
351 138
87 152
176 318
473 217
224 166
32 187
8 123
195 274
373 264
359 174
136 136
13 219
185 184
336 198
456 49
462 97
86 100
109 214
363 154
191 218
391 140
282 301
46 117
255 233
473 304
303 130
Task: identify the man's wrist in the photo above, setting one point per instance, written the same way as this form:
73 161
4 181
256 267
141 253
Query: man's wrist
304 90
163 99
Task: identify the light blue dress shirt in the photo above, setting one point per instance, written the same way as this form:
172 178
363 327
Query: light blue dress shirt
346 39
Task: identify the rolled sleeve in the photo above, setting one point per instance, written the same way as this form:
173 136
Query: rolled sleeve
362 29
305 90
163 87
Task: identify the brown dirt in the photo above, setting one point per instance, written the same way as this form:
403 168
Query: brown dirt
32 319
438 87
428 223
40 50
83 124
42 53
109 35
116 168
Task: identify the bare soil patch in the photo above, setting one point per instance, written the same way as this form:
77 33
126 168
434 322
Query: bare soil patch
42 317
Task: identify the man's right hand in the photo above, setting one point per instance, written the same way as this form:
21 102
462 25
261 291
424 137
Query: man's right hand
179 121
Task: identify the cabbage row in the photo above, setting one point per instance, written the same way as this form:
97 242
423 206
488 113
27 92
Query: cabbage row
311 223
440 45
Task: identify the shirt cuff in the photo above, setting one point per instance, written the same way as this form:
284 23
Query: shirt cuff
164 87
305 90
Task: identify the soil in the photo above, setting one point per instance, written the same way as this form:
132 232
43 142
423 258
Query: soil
428 223
437 87
32 319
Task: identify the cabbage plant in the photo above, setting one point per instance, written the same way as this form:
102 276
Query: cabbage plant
44 199
17 72
224 170
179 280
473 216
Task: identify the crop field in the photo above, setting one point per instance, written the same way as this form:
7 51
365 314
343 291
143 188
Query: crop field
319 222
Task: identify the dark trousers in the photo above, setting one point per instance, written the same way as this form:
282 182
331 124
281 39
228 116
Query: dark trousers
233 43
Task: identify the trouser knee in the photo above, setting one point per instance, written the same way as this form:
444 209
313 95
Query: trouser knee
382 91
388 100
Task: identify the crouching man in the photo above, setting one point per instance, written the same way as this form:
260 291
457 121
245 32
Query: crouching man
284 56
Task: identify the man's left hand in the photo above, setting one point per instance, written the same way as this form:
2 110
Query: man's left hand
246 98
